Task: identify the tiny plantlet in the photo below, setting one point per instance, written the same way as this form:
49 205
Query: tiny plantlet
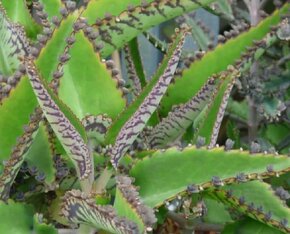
89 143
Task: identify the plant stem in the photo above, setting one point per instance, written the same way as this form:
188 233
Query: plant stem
102 181
254 7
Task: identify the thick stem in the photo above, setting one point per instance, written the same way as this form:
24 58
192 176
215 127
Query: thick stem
101 182
252 120
254 7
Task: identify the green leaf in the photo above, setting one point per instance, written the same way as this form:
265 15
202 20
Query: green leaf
156 42
47 61
134 80
13 43
181 117
63 124
134 51
16 218
96 127
14 113
128 204
168 173
40 155
79 208
51 7
133 127
199 35
133 107
224 7
86 83
125 25
42 228
275 133
247 226
270 209
239 109
16 109
18 12
209 127
211 63
18 154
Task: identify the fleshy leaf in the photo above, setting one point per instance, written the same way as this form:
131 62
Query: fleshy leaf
96 126
209 125
86 81
70 139
160 45
18 154
40 155
182 116
132 72
137 122
128 204
246 198
215 207
42 228
134 51
18 12
122 25
168 173
247 226
79 208
22 101
218 117
13 43
199 71
201 38
129 111
51 8
17 218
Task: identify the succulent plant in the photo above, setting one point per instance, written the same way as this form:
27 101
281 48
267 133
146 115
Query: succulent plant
91 146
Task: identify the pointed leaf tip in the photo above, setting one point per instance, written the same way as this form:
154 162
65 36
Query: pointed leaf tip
137 122
62 126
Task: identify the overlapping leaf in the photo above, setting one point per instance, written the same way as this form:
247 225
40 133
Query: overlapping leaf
17 218
79 208
133 127
16 109
168 173
86 82
121 26
62 124
211 63
13 43
128 204
246 198
18 12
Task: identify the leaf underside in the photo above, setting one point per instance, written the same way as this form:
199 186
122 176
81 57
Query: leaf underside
79 208
133 127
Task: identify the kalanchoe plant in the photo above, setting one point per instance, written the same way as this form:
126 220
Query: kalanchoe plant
88 148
